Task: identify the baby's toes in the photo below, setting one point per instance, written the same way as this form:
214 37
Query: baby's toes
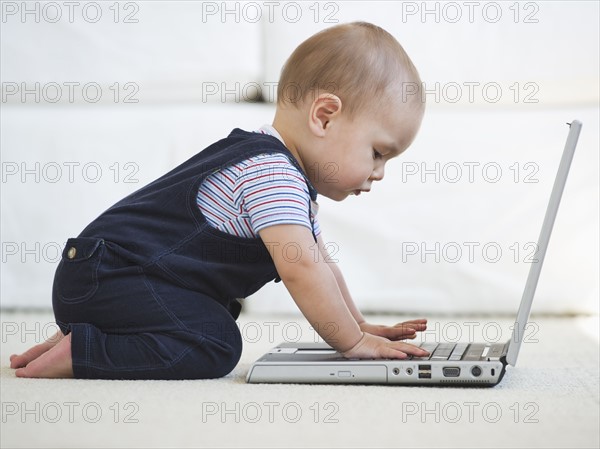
17 361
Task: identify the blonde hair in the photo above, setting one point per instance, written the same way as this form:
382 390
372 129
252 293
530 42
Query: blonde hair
359 62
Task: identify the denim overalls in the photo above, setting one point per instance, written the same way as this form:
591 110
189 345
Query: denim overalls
148 290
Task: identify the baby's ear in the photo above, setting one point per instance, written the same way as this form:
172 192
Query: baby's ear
324 108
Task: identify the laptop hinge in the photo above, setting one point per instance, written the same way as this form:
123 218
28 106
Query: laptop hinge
503 361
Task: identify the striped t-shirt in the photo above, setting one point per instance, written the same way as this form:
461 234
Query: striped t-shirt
260 191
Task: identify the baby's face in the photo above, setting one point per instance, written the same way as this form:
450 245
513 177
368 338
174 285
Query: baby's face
354 153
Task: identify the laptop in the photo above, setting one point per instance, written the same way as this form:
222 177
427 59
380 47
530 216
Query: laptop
460 364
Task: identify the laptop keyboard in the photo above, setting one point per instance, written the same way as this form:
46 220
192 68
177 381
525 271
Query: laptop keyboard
460 351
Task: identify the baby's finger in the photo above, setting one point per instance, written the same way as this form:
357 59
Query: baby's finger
400 329
389 352
396 333
417 320
411 326
412 349
420 323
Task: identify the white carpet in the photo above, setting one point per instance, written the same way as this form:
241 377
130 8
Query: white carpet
551 399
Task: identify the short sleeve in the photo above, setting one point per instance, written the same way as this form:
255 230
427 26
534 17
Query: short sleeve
272 191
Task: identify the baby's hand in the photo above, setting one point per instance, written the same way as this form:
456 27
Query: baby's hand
400 331
375 347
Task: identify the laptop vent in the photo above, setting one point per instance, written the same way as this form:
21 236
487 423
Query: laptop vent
462 381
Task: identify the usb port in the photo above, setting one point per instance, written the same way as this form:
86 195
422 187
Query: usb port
424 371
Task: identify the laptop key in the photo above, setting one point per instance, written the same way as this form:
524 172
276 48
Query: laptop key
474 352
458 352
429 347
496 351
443 351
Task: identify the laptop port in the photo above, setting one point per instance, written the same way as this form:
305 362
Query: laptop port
476 371
451 371
424 371
396 371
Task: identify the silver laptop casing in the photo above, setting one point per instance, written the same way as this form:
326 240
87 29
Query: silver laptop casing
318 363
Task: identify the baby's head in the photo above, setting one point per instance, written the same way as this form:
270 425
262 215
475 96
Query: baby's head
359 62
348 90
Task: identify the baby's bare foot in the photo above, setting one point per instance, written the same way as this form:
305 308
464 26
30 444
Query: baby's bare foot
19 361
56 362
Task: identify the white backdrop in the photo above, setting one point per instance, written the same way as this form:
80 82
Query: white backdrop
432 236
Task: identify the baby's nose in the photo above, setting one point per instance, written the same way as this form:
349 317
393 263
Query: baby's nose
378 173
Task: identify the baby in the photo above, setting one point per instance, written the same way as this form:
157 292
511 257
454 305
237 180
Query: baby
150 289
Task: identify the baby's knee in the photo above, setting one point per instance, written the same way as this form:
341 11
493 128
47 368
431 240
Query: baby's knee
229 356
209 359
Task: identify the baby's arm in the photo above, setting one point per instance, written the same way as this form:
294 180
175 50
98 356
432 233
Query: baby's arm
315 290
339 278
312 284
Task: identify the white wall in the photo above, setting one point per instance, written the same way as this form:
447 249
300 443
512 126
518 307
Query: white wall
552 44
178 53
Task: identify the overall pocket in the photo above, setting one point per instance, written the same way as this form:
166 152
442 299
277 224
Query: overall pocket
76 277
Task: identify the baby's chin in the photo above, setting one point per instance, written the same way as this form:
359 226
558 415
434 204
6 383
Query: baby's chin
340 196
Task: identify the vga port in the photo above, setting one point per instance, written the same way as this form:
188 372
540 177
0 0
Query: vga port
451 371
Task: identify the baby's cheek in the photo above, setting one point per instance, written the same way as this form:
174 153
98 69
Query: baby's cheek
365 172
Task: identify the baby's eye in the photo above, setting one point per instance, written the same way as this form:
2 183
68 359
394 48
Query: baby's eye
376 154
